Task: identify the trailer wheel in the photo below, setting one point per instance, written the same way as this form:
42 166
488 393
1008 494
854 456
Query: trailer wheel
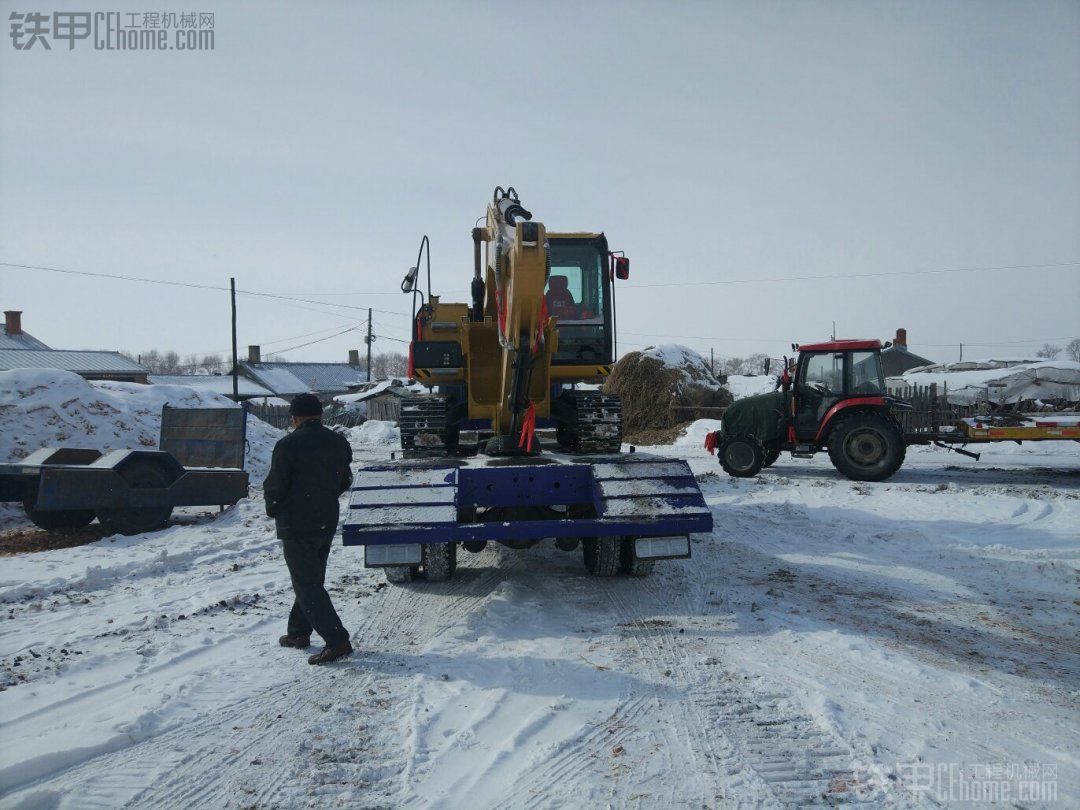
398 574
770 458
866 447
439 561
741 455
602 555
53 520
629 565
141 473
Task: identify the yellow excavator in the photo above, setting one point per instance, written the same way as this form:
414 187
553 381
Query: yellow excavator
541 322
542 319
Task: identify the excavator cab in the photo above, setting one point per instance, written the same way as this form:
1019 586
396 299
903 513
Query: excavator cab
578 295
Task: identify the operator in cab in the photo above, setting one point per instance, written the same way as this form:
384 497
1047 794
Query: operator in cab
308 474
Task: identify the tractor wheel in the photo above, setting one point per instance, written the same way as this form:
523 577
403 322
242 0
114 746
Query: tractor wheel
741 455
627 563
602 555
770 458
439 561
51 520
866 447
398 574
141 473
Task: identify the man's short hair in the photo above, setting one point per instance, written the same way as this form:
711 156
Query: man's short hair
305 405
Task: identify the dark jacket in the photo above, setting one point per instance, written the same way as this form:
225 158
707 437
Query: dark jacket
309 471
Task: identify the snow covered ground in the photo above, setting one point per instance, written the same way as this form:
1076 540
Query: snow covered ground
830 641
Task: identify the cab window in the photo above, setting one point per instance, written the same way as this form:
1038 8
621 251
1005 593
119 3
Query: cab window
866 374
824 372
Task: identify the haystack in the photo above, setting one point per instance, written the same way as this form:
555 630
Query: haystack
663 389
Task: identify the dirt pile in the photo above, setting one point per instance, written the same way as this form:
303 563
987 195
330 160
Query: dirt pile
663 389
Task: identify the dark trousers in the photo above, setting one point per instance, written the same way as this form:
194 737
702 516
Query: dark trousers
312 609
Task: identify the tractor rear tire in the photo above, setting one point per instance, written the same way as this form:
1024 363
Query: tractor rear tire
53 520
439 561
866 447
602 555
741 455
143 473
629 565
770 458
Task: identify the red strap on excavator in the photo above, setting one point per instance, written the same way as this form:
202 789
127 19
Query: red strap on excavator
541 325
528 429
712 441
500 305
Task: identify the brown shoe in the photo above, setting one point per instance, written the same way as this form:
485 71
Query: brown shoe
299 642
329 653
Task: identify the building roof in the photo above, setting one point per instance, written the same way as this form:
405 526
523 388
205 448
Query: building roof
20 341
897 359
218 383
81 362
320 378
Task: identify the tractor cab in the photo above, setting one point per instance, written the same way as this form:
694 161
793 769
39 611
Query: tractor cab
829 374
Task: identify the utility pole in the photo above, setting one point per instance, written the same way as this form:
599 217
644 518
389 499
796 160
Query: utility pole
833 330
961 352
367 340
235 379
712 360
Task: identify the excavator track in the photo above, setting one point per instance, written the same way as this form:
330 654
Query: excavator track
589 422
425 430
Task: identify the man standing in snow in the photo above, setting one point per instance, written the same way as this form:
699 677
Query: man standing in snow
308 473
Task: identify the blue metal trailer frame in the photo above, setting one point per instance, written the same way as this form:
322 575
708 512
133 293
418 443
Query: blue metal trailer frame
420 501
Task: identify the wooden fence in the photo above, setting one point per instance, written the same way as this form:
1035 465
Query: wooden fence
931 410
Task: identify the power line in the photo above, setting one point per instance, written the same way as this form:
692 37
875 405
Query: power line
1054 266
190 285
320 340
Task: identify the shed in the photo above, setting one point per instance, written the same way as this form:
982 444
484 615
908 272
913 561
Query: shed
898 358
90 365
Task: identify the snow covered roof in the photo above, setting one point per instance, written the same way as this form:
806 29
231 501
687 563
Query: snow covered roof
81 362
278 381
320 378
20 341
395 385
219 384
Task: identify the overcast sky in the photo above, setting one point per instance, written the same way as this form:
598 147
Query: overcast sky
713 142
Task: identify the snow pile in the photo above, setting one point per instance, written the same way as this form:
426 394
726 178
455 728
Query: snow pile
663 388
694 435
374 433
998 381
47 408
741 385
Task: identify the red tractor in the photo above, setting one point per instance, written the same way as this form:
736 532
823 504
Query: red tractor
835 401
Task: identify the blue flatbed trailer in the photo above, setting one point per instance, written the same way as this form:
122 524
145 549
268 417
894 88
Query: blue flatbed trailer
650 504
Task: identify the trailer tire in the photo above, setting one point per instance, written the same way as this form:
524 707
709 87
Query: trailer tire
54 520
741 455
770 458
866 447
398 574
629 565
602 555
439 561
140 473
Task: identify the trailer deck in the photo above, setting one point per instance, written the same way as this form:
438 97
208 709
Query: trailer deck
554 495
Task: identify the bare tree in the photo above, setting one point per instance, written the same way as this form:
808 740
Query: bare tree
1072 351
389 364
1048 351
212 364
